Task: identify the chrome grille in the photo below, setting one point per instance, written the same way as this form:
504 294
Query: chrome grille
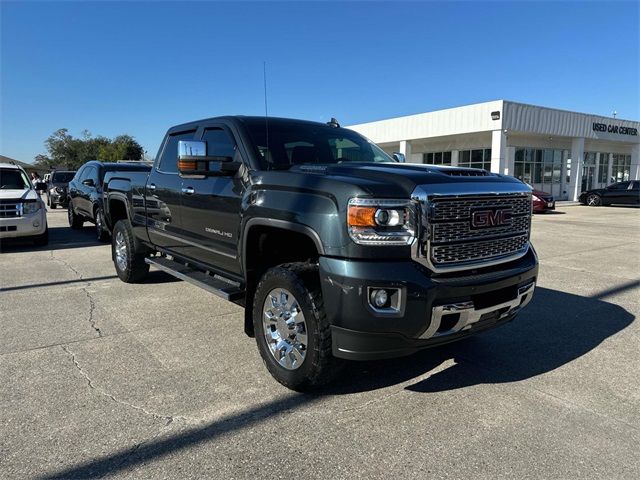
10 210
453 243
461 230
467 252
458 209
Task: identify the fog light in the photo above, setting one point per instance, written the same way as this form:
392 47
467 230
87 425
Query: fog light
36 223
379 298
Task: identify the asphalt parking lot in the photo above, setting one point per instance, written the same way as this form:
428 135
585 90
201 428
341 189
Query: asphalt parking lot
100 378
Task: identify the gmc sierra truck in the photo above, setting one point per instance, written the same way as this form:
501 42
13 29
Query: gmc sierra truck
335 249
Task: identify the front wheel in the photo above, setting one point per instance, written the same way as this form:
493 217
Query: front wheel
291 327
53 205
75 221
128 257
101 231
594 200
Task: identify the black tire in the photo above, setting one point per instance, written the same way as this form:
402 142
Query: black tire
319 365
75 221
101 231
132 268
594 200
42 239
53 205
48 201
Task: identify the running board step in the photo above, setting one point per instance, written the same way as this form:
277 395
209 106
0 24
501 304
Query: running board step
217 286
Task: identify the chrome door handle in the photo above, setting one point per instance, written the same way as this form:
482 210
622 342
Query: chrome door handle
151 186
188 190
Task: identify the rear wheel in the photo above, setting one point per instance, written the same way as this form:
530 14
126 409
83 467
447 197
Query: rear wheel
75 221
53 205
291 328
594 200
128 256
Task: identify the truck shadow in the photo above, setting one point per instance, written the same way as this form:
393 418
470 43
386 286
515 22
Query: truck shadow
555 329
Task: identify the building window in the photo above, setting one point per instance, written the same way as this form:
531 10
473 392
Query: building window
603 170
437 158
541 168
477 158
621 167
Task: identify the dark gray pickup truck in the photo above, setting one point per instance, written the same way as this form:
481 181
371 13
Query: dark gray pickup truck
335 249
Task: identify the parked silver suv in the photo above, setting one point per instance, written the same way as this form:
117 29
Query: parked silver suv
22 212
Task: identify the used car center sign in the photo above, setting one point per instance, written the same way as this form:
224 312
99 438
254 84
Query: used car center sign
603 127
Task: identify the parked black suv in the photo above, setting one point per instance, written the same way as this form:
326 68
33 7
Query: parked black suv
85 194
57 186
335 250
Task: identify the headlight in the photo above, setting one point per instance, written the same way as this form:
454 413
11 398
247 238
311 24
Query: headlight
30 207
381 222
536 198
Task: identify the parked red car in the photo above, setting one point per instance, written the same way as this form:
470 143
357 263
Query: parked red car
542 201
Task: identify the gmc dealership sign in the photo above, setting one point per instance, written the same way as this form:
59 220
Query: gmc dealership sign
603 127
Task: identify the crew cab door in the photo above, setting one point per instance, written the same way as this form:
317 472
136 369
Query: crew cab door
162 195
211 207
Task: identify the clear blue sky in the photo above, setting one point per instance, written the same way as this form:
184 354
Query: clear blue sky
139 68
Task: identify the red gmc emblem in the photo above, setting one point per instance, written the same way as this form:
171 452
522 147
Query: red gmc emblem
494 217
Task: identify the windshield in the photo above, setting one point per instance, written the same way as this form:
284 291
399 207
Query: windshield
62 177
297 143
13 179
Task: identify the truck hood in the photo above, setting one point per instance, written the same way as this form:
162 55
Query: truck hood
18 195
400 180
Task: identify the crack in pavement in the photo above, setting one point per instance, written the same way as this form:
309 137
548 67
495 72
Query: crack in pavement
92 303
92 307
168 419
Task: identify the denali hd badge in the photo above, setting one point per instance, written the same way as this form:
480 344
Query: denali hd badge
494 217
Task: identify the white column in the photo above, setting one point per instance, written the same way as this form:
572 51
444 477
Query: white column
610 169
455 155
405 147
511 161
634 174
577 158
597 170
498 151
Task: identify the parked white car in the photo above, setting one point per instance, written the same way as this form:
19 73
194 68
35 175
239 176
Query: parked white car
22 211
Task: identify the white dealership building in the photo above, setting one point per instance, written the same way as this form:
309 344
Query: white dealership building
556 151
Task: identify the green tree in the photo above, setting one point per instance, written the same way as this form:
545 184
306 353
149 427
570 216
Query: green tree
65 151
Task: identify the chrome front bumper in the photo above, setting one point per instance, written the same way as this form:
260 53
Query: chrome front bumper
469 315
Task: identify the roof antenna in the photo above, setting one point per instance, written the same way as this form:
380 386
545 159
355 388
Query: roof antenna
266 111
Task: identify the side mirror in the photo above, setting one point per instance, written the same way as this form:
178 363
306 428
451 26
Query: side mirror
399 157
193 160
88 182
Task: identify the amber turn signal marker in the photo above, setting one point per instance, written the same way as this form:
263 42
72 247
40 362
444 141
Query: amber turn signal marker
362 216
186 165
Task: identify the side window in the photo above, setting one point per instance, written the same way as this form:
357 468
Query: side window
80 175
635 186
219 143
93 175
169 160
621 186
86 173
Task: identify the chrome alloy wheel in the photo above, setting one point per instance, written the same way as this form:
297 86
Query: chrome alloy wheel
121 251
593 200
285 329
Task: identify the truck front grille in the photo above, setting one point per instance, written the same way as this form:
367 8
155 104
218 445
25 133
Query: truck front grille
472 231
10 210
